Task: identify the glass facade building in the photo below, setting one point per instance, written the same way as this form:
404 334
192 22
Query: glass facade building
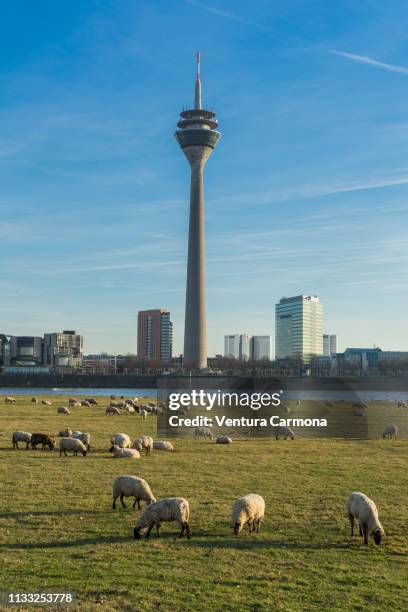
154 335
299 327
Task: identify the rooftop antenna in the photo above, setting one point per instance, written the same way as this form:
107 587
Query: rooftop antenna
197 91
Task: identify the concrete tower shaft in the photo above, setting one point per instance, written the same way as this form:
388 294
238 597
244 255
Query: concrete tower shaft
197 138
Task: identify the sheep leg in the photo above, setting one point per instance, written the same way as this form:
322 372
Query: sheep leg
65 453
187 530
148 531
121 500
27 445
158 529
365 533
114 503
258 530
351 519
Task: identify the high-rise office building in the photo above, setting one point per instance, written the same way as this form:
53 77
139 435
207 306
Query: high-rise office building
25 350
63 349
329 344
154 335
197 137
260 348
236 346
299 327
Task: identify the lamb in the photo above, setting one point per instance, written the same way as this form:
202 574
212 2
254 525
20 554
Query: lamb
85 403
10 400
34 400
122 440
72 444
84 437
21 436
143 442
132 486
43 439
66 433
223 440
248 510
165 510
285 432
112 411
363 508
46 402
124 453
390 432
163 445
203 432
62 410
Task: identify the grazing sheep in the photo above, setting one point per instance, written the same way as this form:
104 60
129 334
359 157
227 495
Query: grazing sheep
163 445
62 410
72 400
76 405
121 405
10 400
46 402
112 411
285 432
43 439
122 440
203 432
130 409
21 436
124 453
132 486
85 403
390 432
66 433
143 442
143 413
223 440
363 508
84 437
72 444
91 401
402 404
165 510
34 400
248 510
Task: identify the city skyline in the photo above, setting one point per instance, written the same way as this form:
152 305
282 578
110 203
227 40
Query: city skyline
308 194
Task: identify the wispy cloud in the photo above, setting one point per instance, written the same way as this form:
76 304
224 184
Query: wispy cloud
364 59
226 15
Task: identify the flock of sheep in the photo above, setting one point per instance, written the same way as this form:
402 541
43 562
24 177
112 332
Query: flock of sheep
248 510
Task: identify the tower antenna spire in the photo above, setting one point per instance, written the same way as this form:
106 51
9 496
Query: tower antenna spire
197 90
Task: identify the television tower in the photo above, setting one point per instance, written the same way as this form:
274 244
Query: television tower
197 136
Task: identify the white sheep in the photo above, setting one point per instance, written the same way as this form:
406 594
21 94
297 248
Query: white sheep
203 432
390 432
124 453
10 400
85 403
402 404
132 486
143 442
21 436
66 433
84 437
46 402
129 409
362 508
62 410
248 510
223 440
112 411
285 432
163 445
72 444
165 510
122 440
143 413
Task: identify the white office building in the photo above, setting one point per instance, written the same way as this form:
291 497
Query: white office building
299 327
329 345
236 346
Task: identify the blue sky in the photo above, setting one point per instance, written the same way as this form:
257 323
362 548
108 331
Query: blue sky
307 191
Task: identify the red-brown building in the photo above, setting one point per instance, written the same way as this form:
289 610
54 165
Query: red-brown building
154 335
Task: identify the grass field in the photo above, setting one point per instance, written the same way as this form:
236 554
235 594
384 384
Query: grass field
58 531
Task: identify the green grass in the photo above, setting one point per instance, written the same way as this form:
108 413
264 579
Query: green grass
58 532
